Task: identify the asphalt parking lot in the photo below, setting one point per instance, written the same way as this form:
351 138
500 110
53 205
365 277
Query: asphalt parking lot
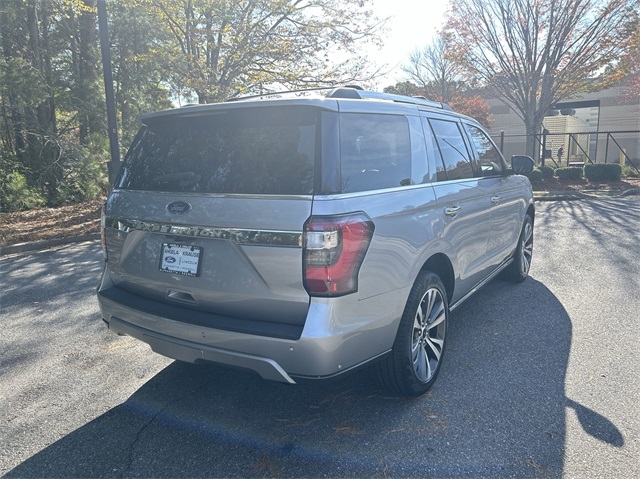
540 379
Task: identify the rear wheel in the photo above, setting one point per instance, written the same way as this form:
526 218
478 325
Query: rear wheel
417 352
518 270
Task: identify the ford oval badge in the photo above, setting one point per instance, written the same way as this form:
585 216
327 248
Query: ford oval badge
178 207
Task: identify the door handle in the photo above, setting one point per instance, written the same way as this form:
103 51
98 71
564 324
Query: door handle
452 210
496 199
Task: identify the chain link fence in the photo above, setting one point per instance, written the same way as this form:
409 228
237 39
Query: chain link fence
565 149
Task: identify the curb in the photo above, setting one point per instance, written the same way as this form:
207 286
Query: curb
558 197
632 191
568 196
44 244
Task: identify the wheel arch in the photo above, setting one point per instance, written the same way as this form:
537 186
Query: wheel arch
531 211
441 265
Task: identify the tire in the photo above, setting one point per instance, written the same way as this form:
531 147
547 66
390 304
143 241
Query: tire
518 270
418 350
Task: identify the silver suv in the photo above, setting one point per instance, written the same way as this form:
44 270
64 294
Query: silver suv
307 236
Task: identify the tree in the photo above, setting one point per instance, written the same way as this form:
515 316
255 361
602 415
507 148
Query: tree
141 80
433 74
52 115
626 72
464 102
88 93
533 53
50 101
433 69
223 48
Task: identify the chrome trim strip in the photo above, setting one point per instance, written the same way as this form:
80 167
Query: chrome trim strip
481 284
382 191
241 236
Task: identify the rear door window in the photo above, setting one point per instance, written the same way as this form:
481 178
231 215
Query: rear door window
375 151
244 151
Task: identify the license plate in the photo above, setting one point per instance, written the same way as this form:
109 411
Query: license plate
180 259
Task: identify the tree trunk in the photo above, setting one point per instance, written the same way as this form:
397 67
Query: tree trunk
531 130
42 115
16 116
88 73
124 84
51 123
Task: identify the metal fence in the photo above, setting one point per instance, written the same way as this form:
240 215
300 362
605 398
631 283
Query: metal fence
622 147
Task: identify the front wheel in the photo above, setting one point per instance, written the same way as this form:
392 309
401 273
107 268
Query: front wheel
518 270
417 352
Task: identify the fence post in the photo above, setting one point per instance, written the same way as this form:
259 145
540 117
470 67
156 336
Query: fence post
502 141
544 144
606 149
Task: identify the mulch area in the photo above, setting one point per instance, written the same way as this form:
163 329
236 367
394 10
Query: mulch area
49 223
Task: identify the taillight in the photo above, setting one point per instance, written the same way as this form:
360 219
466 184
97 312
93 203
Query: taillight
333 250
103 234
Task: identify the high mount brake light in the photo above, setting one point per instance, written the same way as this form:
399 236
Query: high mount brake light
333 251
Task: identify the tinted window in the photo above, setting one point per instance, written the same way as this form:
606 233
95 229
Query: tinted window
453 149
375 151
489 158
251 151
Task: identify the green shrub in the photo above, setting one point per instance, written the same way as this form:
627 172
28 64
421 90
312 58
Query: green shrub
629 171
603 172
569 173
16 195
85 171
535 176
547 172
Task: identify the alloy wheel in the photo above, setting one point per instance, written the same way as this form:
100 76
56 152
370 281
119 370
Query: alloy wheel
429 329
527 248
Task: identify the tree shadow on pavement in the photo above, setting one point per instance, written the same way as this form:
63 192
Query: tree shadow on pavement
610 227
497 410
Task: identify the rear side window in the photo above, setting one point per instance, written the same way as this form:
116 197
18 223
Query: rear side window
375 151
455 156
246 151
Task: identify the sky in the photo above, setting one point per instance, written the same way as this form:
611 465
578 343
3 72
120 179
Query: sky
411 25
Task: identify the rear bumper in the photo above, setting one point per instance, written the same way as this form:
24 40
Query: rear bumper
193 352
339 334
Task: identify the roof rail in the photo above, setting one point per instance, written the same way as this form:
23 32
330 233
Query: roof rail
360 94
285 92
353 92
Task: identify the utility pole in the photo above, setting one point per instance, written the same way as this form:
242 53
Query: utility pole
113 165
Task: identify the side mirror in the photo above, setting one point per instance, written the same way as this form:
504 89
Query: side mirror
521 164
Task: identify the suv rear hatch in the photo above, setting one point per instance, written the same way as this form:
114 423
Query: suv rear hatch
205 223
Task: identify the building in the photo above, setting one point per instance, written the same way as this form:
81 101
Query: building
598 127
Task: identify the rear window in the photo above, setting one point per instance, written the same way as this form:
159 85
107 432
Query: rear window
244 151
